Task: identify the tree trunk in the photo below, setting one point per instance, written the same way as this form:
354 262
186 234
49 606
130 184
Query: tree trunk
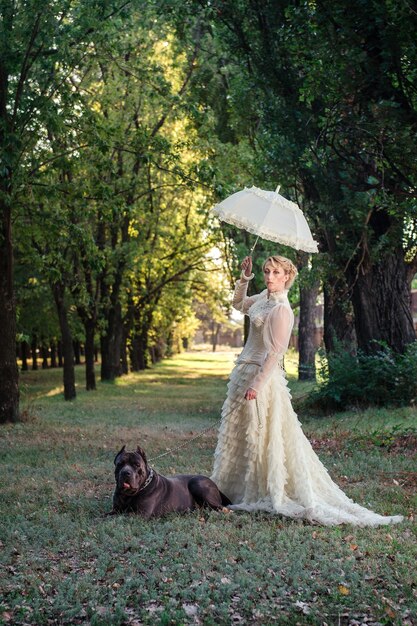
111 344
90 375
158 351
59 350
9 373
134 355
33 348
77 351
111 340
306 333
338 321
53 354
381 300
215 329
25 353
139 350
128 333
89 320
58 290
44 354
123 352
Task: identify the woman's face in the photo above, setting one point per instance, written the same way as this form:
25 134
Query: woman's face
275 277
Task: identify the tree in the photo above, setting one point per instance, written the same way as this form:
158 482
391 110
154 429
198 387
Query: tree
336 131
141 177
309 286
367 122
39 48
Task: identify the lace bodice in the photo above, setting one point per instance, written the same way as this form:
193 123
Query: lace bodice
271 320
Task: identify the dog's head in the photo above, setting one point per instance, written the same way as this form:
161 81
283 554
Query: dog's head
131 470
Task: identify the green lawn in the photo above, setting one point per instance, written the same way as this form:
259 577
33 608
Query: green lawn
64 562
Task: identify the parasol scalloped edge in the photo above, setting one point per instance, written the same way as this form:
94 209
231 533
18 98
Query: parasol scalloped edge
293 242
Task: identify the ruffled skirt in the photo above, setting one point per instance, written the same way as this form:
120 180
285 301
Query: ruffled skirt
263 461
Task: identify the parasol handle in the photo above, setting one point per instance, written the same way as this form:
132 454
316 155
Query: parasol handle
253 247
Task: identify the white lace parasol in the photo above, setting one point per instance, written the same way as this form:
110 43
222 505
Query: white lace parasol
268 215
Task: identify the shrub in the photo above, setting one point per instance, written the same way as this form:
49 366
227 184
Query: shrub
383 378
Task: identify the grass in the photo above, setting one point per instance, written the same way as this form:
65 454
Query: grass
64 562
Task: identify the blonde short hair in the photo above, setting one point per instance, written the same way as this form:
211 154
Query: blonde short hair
287 265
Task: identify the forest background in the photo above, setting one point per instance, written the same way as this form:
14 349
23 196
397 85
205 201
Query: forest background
122 123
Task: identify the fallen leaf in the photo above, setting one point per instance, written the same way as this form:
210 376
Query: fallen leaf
191 610
303 607
353 546
390 612
343 590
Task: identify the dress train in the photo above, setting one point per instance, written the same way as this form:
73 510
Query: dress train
263 460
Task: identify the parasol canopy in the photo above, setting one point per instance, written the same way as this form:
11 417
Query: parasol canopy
268 215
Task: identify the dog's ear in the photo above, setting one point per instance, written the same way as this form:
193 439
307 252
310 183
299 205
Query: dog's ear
118 454
142 454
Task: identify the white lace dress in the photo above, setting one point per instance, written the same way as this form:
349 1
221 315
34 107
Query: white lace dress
263 460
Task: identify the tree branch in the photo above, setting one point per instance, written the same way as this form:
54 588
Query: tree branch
26 65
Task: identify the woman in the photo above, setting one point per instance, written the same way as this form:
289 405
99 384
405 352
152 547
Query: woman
263 461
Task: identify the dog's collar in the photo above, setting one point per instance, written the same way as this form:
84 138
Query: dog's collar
148 480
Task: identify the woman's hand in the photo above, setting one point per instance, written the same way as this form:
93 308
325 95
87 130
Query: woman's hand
247 266
251 394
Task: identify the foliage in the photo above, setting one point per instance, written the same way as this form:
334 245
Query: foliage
36 315
63 560
117 211
328 128
381 378
121 124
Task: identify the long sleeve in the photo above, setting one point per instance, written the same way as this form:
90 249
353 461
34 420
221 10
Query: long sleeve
276 334
241 301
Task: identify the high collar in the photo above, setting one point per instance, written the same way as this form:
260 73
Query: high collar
277 296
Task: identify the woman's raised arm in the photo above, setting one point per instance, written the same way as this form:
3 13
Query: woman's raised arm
241 301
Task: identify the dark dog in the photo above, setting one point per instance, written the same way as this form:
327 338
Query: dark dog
140 489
